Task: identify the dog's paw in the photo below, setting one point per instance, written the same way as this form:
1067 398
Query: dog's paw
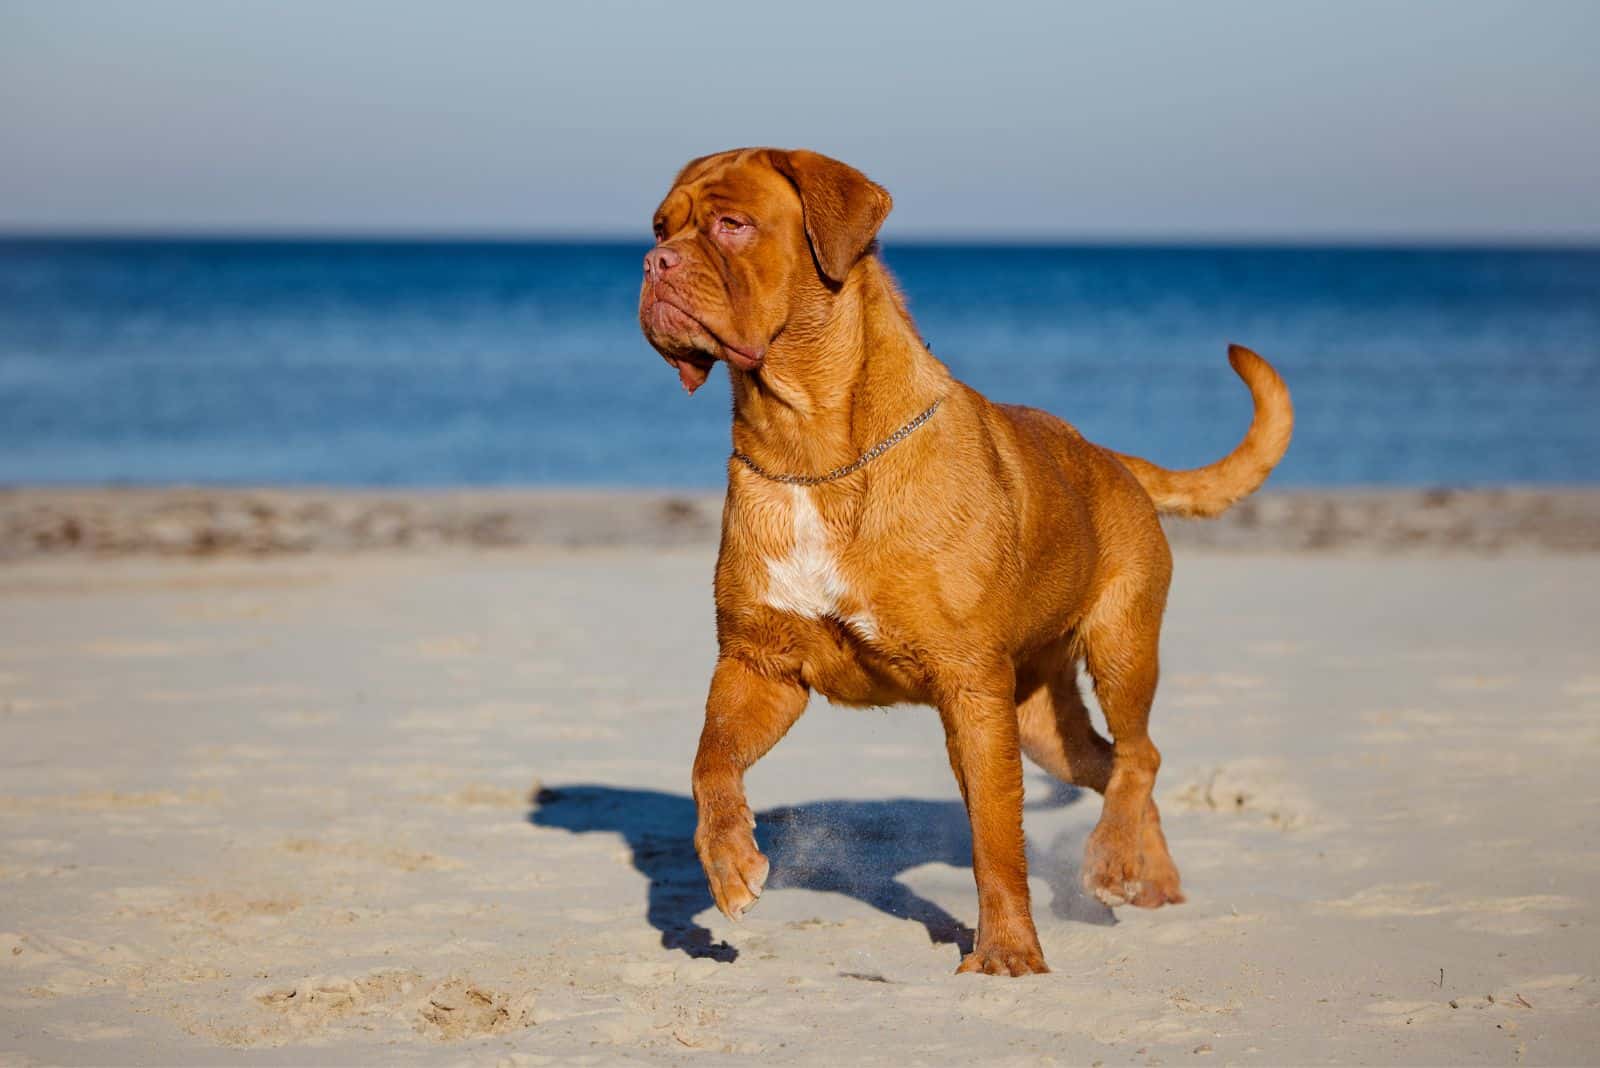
1158 875
1004 959
735 869
1121 869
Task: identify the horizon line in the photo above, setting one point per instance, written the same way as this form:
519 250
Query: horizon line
1198 239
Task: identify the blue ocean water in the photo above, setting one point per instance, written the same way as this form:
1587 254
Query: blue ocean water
389 363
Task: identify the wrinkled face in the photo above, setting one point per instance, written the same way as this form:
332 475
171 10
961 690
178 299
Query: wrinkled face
716 285
741 239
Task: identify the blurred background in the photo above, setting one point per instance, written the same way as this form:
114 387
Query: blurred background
398 245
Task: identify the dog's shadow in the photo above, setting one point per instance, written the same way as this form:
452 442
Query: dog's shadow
856 848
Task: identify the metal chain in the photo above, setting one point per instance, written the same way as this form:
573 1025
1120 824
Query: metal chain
850 468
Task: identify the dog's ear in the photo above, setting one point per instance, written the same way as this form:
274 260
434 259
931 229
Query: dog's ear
843 208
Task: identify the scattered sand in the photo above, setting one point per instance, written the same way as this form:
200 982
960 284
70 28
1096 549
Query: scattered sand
401 808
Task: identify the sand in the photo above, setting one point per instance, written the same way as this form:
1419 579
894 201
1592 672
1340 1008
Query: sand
431 807
208 521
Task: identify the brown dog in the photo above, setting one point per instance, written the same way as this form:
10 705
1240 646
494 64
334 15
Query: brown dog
971 563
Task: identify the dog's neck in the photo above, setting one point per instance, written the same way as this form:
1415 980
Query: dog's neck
835 385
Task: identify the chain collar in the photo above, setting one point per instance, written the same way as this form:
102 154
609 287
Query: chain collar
850 468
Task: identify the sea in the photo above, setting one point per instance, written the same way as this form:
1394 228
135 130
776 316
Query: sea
451 363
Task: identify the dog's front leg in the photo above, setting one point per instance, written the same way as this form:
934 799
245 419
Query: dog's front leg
982 735
746 714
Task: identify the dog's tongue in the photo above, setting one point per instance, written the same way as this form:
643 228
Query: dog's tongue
693 375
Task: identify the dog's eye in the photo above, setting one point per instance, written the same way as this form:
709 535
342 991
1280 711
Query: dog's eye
729 225
660 231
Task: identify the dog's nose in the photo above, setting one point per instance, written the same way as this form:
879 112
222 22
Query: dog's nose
659 261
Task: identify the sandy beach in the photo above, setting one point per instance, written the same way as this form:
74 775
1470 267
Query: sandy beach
425 800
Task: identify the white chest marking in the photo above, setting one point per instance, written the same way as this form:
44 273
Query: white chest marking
807 581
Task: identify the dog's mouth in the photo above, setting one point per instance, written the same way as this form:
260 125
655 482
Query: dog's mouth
693 369
689 345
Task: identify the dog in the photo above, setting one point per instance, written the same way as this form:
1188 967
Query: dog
891 536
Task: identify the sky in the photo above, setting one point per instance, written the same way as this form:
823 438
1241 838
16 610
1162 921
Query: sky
1451 120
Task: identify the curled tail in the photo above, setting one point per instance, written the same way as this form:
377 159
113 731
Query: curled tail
1210 490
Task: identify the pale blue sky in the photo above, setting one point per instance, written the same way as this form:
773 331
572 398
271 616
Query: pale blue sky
1455 119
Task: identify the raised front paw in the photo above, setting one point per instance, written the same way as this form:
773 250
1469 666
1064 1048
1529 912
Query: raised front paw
1004 958
735 868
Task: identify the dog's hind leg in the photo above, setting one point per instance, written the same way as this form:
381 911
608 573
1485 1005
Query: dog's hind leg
1056 732
1126 860
746 713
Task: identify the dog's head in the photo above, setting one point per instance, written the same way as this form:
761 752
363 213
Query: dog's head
747 240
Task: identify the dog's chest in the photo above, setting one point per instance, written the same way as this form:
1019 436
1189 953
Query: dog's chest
807 579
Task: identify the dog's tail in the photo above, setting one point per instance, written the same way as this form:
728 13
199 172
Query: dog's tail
1210 490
